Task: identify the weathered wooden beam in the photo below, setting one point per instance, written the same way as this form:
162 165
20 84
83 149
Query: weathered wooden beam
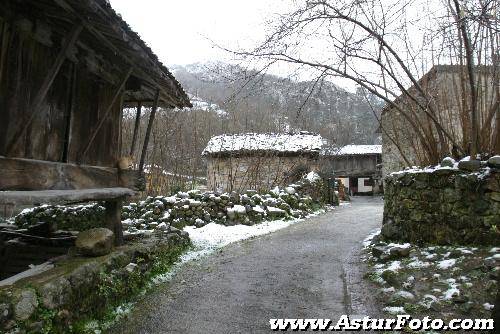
69 42
4 46
114 220
69 113
63 196
148 130
136 128
28 174
106 114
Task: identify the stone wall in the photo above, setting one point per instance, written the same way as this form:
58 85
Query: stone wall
443 206
79 289
226 174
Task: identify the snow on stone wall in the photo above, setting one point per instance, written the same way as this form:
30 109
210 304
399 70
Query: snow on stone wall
443 205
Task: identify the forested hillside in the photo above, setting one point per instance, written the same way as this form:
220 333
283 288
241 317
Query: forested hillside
257 102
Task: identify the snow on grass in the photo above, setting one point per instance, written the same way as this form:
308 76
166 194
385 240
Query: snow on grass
405 245
404 295
428 300
394 310
446 264
313 177
418 264
394 266
370 237
452 289
488 306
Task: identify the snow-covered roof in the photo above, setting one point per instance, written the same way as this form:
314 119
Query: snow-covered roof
303 142
356 150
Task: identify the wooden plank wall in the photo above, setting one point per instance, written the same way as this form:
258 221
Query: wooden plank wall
23 66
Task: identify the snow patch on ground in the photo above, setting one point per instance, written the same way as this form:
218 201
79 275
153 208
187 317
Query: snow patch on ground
394 310
418 264
446 264
370 237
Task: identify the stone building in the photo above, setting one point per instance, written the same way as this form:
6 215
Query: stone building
446 88
260 161
356 166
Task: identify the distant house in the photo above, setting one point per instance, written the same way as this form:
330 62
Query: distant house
260 161
357 166
446 88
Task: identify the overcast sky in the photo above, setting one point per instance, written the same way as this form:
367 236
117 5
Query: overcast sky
179 31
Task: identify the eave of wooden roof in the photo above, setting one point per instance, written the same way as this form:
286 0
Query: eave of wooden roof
106 29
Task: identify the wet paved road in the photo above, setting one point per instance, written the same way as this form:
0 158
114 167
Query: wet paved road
308 270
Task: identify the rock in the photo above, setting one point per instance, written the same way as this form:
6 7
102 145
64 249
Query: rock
390 230
391 278
377 251
490 262
469 165
131 267
401 297
4 312
494 161
25 305
460 298
448 162
55 293
466 307
399 252
495 273
42 229
36 327
95 242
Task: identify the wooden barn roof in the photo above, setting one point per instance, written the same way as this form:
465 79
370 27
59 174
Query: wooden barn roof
109 46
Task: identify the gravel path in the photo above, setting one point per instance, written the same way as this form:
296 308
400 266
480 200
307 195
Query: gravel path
308 270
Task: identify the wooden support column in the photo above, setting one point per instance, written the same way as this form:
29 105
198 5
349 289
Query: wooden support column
69 113
148 130
106 114
114 220
136 128
69 42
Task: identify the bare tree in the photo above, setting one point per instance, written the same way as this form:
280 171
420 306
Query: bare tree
387 46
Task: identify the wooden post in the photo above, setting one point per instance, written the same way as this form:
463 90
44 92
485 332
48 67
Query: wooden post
69 116
46 84
148 130
106 113
113 219
136 128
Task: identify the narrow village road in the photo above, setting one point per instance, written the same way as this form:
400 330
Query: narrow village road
308 270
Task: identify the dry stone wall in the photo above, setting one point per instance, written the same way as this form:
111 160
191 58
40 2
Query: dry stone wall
445 205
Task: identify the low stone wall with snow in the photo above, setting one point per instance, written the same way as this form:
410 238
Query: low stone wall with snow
191 208
444 205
